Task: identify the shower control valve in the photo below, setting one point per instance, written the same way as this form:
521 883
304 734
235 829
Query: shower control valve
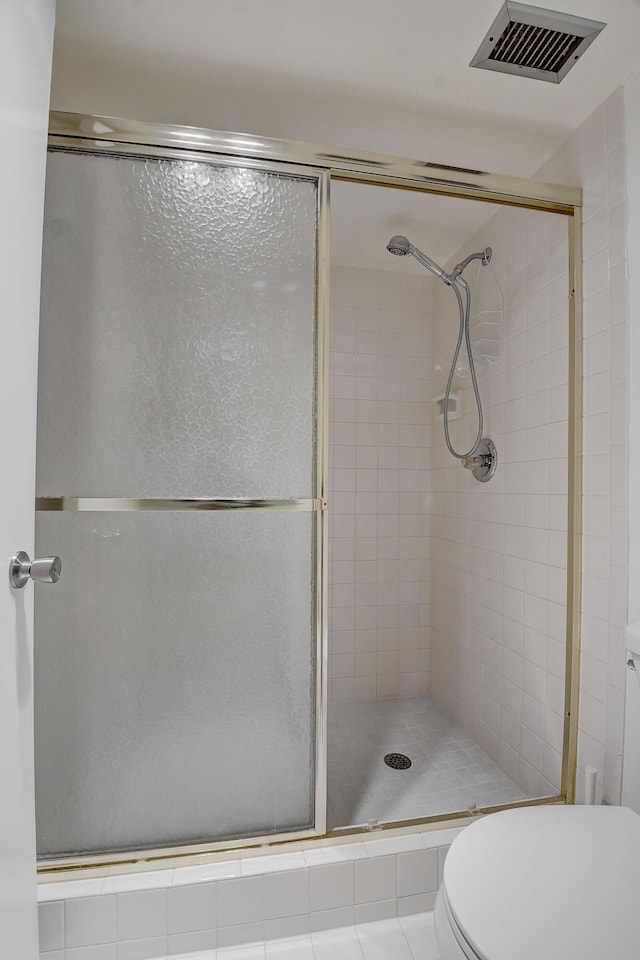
483 464
44 570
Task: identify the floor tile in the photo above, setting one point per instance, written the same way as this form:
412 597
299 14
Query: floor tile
293 948
406 938
421 936
250 951
342 944
384 939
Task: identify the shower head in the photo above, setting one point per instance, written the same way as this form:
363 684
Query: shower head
399 246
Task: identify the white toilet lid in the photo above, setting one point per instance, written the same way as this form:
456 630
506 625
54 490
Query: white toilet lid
540 883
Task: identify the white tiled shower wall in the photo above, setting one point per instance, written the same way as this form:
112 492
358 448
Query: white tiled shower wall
522 602
595 158
380 431
499 549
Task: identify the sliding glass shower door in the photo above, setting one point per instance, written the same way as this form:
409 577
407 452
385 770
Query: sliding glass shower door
178 479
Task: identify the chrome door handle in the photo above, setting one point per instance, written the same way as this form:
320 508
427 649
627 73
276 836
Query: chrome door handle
44 570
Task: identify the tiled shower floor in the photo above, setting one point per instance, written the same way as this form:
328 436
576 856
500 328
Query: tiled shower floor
448 773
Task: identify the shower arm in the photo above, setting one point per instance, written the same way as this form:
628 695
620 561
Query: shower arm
484 255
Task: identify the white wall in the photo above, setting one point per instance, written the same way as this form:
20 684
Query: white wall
632 121
157 86
26 40
594 157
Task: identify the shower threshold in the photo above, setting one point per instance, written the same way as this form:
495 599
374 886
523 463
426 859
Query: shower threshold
448 773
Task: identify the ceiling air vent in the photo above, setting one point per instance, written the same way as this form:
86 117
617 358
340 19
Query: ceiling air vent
533 42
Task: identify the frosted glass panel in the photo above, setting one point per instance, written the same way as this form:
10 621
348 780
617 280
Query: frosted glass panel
174 677
177 340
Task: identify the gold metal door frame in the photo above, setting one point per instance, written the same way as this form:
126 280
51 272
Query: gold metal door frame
106 135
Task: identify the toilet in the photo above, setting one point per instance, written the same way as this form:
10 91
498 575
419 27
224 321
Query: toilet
543 883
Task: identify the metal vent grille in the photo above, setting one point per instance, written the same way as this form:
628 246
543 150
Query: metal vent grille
534 42
529 46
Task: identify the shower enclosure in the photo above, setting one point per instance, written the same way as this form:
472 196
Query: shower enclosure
182 660
448 599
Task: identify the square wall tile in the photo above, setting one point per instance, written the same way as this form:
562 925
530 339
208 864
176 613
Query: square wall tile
332 919
286 927
379 910
90 920
240 933
191 908
142 914
417 903
51 925
417 872
286 894
240 901
332 886
192 942
375 879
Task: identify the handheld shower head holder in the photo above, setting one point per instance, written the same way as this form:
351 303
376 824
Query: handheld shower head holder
483 255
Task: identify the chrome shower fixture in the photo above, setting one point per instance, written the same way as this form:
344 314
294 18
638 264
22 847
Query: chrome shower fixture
400 247
482 457
484 462
484 255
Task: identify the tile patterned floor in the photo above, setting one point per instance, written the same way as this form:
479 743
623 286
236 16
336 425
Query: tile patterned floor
407 938
448 773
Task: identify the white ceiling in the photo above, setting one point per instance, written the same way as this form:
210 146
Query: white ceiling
377 75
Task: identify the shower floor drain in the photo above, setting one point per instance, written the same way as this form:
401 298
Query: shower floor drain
398 761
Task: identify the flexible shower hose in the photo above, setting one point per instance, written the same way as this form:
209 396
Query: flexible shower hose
462 332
